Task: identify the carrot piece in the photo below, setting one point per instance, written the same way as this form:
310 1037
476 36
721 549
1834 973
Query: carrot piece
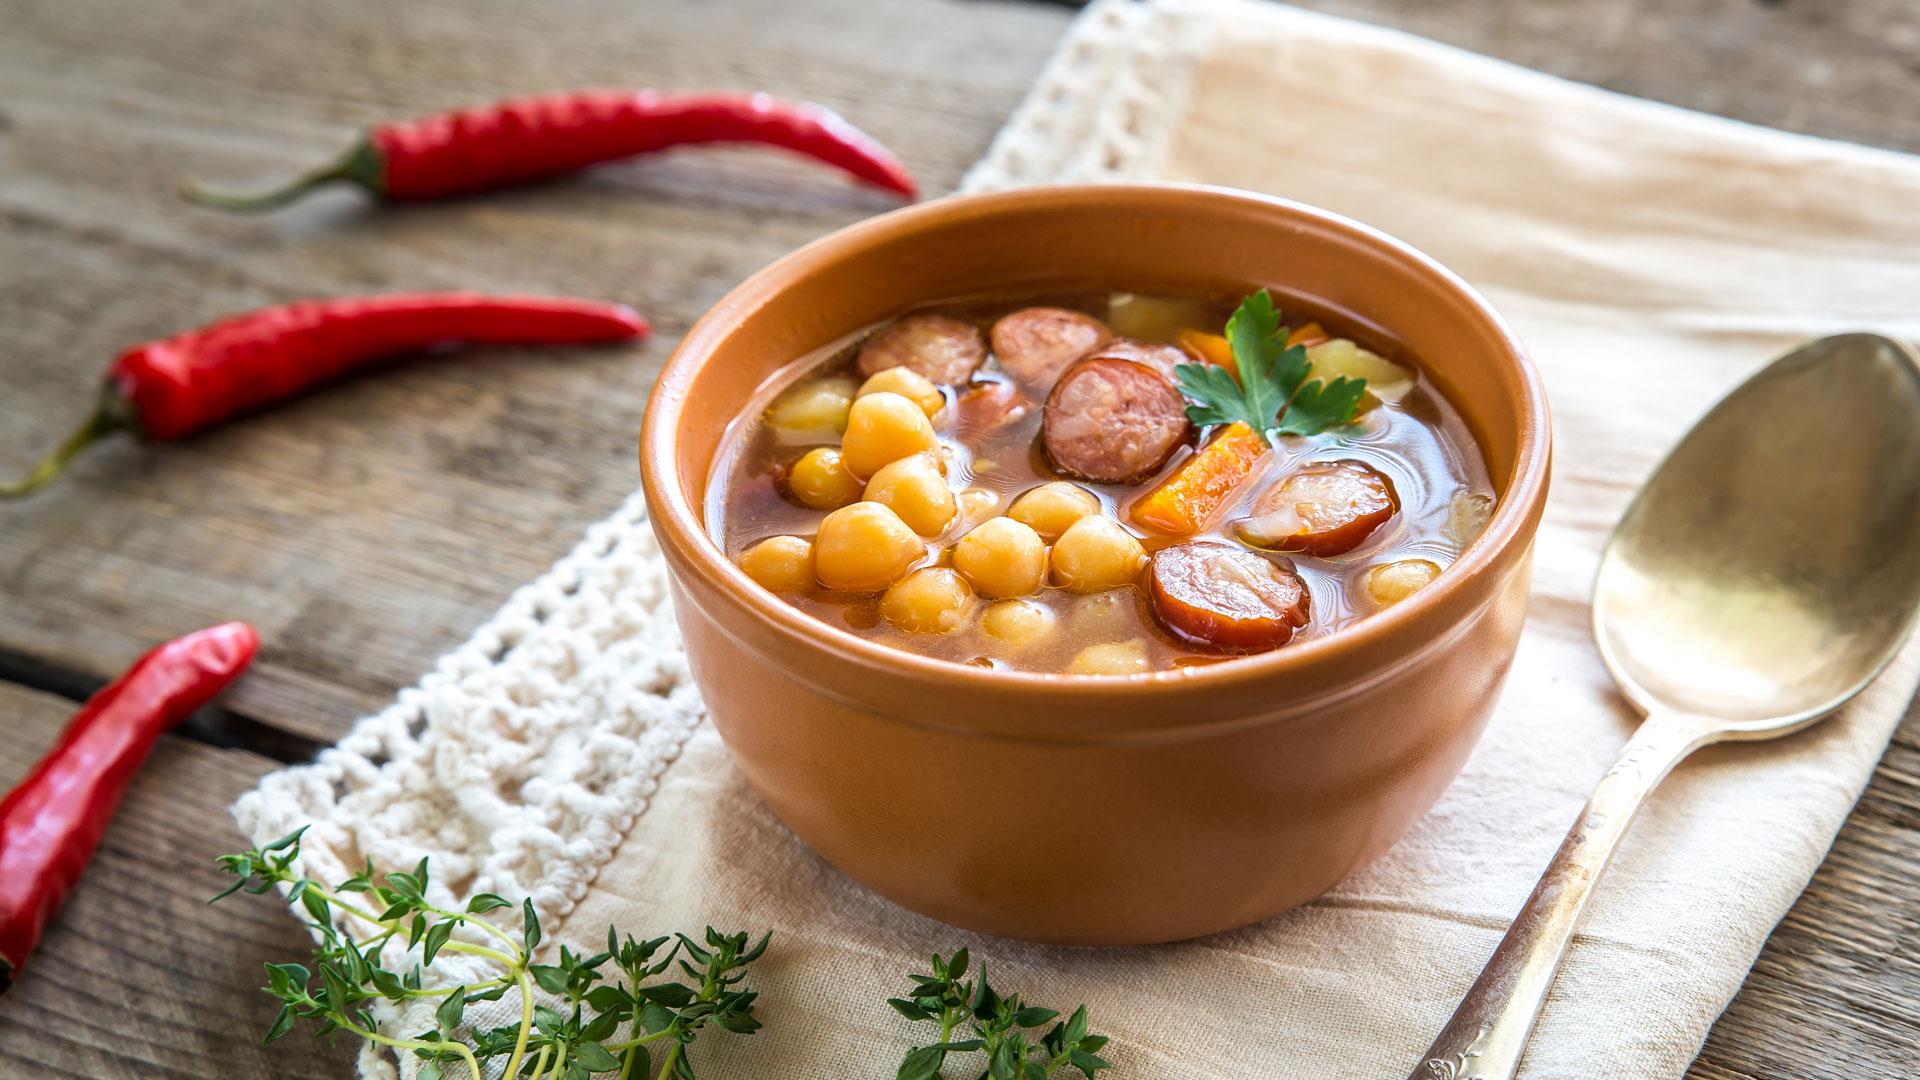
1214 349
1182 503
1211 348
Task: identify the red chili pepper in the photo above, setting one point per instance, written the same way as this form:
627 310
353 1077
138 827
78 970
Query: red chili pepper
169 389
516 141
51 823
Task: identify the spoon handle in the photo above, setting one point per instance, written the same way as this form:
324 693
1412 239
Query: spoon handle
1488 1032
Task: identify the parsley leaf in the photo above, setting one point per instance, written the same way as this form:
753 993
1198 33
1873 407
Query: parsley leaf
1318 406
1214 396
1270 371
1272 393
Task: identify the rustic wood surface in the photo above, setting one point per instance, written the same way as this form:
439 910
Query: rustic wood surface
138 976
367 529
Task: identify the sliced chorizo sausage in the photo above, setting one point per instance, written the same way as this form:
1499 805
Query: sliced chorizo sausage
945 350
1327 508
1113 421
1161 358
1036 344
1227 597
990 406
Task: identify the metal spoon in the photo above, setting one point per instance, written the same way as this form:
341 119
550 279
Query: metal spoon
1763 576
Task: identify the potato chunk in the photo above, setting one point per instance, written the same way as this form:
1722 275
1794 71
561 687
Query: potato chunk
1157 318
1018 622
1467 515
1386 380
1111 658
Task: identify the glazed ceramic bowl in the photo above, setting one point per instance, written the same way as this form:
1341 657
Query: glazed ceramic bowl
1099 810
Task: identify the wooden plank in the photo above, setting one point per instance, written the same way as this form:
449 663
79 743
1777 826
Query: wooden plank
1836 993
1842 69
367 530
137 977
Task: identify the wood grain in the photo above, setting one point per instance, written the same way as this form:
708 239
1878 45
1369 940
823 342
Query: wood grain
137 976
1843 69
368 529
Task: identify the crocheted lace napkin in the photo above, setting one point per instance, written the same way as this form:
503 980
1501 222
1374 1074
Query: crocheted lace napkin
1650 257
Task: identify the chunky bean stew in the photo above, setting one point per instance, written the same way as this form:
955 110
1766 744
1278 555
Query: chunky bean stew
1098 484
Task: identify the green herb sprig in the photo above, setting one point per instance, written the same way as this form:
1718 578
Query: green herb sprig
1002 1028
572 1040
1272 393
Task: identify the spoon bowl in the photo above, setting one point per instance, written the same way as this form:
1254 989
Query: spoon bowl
1771 566
1762 577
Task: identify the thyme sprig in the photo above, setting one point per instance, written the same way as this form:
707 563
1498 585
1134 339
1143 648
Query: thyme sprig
1003 1028
572 1033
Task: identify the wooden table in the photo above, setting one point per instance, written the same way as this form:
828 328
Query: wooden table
366 530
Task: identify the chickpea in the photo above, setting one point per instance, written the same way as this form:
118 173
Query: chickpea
1112 658
1103 615
820 480
819 405
909 384
930 601
977 504
1050 508
1002 558
780 564
1018 622
884 427
864 547
914 489
1096 554
1390 583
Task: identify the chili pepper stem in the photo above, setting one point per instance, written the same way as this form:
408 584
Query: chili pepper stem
104 421
361 165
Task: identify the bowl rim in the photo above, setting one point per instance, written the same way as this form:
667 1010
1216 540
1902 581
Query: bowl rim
679 521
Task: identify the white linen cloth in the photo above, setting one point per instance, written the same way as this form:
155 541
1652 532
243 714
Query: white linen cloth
1649 257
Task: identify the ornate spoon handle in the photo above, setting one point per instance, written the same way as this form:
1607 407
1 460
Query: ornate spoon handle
1488 1032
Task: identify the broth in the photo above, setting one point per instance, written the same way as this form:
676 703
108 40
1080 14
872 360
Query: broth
1412 436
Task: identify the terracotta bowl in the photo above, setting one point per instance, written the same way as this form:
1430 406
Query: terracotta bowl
1102 810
